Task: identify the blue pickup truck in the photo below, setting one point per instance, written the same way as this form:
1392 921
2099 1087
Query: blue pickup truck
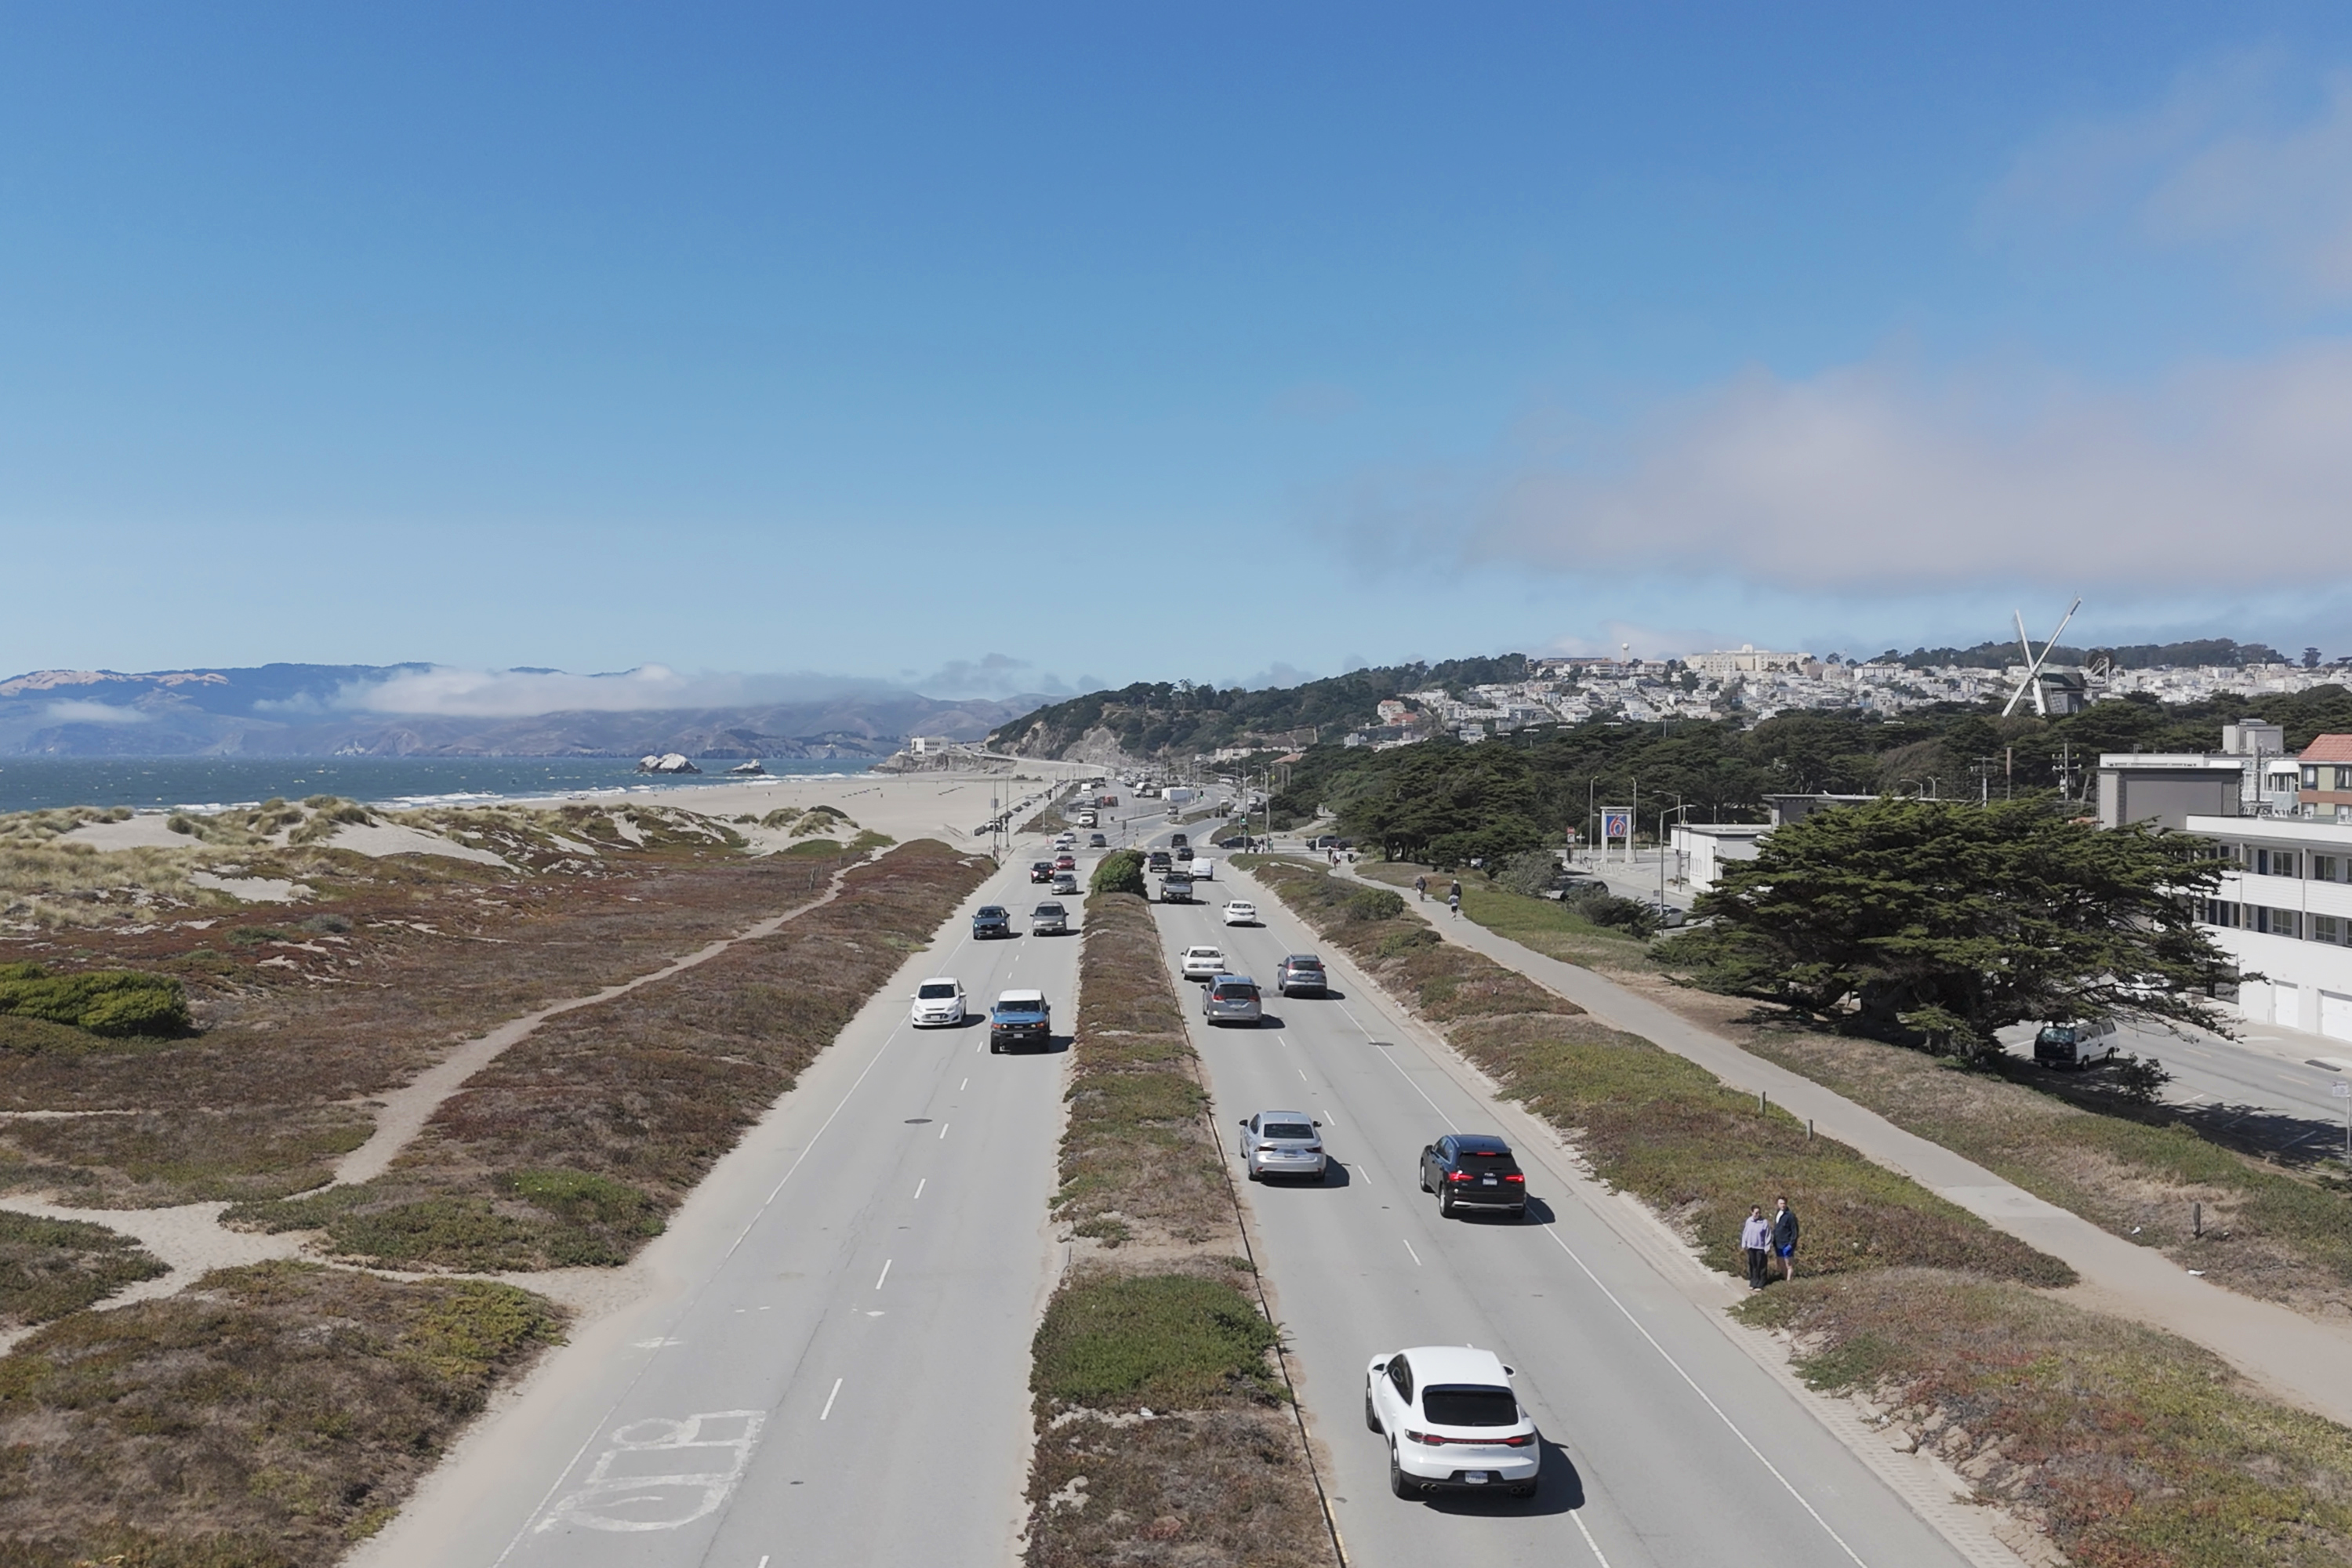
1020 1019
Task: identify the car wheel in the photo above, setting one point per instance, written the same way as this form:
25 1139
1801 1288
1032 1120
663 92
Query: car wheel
1446 1206
1371 1417
1254 1173
1397 1482
1424 1178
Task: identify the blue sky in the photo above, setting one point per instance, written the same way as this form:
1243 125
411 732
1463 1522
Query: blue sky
1022 347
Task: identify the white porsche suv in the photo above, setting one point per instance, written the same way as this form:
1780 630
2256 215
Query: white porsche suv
1451 1422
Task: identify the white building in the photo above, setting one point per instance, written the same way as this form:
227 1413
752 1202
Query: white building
1746 659
2284 911
1702 848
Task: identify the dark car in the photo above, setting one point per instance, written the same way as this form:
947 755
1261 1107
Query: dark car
1019 1018
1041 870
1176 889
1301 974
1157 863
1097 841
992 921
1179 841
1474 1170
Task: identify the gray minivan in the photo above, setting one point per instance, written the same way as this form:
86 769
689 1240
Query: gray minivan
1232 999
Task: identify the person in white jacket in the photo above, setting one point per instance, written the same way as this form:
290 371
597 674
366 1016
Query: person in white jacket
1755 1241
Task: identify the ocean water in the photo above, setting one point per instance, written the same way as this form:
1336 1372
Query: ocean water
31 784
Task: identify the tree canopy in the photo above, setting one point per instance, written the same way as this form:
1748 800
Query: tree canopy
1939 921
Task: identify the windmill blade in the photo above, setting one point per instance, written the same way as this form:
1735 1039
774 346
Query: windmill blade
2025 643
2033 661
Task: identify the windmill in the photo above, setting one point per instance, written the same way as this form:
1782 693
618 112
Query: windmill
2033 679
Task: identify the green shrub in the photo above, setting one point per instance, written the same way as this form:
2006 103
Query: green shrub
586 1199
1528 873
1404 942
1166 1340
1374 904
112 1002
815 846
1613 913
1121 873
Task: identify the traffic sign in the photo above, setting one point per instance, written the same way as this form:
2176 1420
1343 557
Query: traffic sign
2340 1090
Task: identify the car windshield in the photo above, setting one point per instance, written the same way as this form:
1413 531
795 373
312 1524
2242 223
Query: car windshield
1292 1130
1470 1405
1235 993
1049 909
990 912
936 993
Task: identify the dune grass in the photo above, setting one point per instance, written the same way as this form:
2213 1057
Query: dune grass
265 1419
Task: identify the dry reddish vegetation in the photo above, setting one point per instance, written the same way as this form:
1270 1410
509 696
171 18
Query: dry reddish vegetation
265 1419
2133 1449
307 1011
571 1146
1647 1119
1163 1434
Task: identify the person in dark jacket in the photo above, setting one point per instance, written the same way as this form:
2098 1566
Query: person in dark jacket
1784 1239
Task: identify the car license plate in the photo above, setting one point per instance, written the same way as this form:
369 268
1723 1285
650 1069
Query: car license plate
1476 1478
1485 1180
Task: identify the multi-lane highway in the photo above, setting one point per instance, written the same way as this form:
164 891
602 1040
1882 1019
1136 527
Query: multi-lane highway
1667 1444
828 1357
830 1362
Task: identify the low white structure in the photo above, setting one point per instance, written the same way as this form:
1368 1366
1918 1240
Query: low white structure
2284 911
1702 848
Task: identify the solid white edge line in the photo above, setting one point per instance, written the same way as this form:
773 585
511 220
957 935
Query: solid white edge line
830 1398
1664 1353
1576 1515
1667 1357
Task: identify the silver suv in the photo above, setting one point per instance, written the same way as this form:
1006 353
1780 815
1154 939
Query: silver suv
1231 999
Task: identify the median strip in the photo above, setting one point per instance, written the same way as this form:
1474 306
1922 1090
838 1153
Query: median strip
1164 1432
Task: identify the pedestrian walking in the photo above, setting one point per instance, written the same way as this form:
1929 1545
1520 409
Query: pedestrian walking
1784 1239
1454 903
1755 1241
1421 888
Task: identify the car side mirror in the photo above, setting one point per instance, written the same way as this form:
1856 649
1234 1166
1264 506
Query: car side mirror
1379 1366
1242 1122
1510 1371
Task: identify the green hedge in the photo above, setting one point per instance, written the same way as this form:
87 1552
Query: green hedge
104 1000
1121 873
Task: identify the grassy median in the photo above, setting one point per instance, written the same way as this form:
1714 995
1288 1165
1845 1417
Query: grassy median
1162 1431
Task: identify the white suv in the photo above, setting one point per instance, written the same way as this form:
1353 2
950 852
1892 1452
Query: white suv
1203 963
1451 1422
939 1003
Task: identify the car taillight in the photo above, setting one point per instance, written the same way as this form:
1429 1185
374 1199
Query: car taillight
1521 1441
1515 1176
1457 1175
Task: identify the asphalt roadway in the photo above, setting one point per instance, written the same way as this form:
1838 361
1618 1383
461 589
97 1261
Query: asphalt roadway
831 1360
1665 1442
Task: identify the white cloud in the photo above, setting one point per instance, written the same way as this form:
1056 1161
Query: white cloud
1873 478
71 712
991 675
447 692
2241 155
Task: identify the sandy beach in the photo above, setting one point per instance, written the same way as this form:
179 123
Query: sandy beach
943 806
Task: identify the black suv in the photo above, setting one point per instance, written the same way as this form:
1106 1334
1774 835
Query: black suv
992 921
1474 1170
1041 870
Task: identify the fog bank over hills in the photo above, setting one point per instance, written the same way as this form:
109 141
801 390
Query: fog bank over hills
423 710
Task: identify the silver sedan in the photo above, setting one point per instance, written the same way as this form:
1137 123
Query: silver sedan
1283 1143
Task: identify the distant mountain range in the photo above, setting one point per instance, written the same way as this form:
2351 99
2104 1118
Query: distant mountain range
303 709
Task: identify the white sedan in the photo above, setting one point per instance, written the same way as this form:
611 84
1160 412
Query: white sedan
1451 1422
1203 963
939 1003
1239 914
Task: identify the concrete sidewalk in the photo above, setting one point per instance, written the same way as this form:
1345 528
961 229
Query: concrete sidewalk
2294 1358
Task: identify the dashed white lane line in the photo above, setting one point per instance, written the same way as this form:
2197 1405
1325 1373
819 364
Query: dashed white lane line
943 1128
964 1085
1407 1247
829 1399
886 1272
920 1185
